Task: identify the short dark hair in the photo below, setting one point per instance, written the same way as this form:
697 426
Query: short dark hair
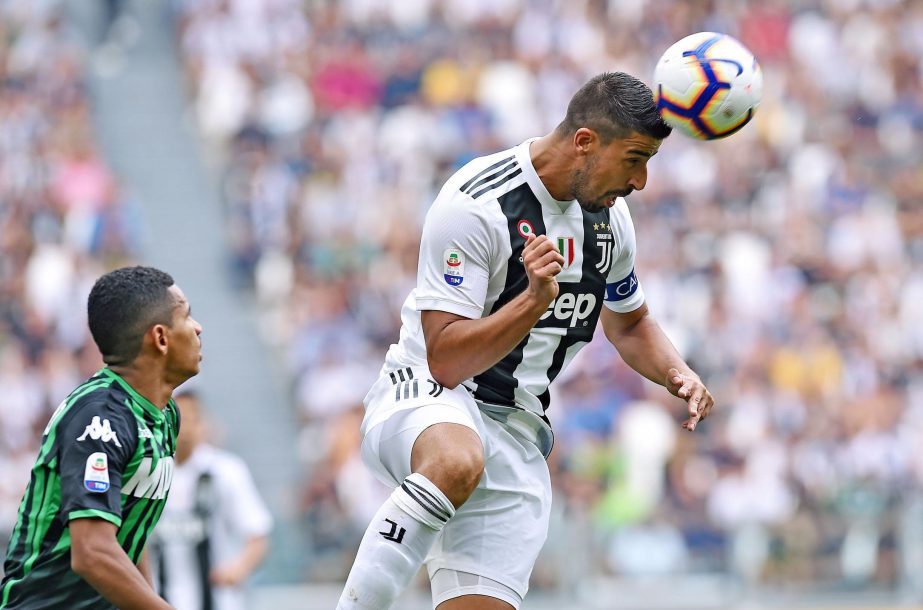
614 104
123 305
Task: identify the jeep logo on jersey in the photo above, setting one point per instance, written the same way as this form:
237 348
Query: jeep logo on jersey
566 248
96 473
572 308
621 290
100 431
453 266
147 482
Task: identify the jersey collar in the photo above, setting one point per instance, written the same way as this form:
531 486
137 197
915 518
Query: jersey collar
555 206
146 404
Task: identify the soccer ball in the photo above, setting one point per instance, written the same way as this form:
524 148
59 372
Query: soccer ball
708 85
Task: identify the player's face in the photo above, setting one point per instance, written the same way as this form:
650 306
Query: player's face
185 345
612 170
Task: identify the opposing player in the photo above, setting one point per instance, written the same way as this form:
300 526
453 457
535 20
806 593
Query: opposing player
520 252
106 460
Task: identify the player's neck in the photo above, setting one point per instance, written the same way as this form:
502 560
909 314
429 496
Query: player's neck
151 386
552 166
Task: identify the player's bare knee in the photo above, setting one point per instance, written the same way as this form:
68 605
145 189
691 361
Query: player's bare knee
453 462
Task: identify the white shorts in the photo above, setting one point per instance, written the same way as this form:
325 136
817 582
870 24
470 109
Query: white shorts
499 532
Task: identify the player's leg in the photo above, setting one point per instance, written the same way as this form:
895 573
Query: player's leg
441 442
474 602
451 456
489 547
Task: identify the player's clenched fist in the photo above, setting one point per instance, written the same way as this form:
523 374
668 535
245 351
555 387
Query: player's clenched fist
542 262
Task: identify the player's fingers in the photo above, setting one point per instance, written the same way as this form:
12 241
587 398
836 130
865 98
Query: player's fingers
550 270
695 401
552 256
534 241
705 407
674 376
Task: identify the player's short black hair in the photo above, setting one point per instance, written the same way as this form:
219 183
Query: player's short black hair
614 104
123 305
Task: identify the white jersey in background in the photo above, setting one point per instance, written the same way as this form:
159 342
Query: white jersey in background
471 265
214 506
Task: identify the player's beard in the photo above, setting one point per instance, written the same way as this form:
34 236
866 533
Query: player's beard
581 189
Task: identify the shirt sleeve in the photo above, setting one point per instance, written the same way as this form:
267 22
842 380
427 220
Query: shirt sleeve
455 248
247 513
623 290
95 444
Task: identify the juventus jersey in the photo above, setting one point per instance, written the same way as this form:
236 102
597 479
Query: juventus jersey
471 265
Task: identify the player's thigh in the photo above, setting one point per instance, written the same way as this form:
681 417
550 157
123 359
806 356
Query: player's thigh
396 419
498 533
474 602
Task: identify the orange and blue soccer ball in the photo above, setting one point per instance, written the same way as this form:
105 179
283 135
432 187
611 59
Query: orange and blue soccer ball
708 85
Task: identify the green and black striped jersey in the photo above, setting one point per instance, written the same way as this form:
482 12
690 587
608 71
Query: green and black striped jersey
107 453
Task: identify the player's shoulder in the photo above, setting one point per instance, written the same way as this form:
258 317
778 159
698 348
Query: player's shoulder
620 217
98 403
481 174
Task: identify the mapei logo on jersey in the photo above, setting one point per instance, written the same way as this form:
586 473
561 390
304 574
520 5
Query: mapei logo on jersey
566 248
453 266
96 473
150 481
97 430
572 308
622 289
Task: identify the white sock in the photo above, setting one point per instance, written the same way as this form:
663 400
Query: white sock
395 544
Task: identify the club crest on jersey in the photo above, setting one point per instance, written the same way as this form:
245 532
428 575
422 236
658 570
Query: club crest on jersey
566 248
606 242
453 266
96 473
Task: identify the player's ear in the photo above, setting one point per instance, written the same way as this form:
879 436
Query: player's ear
158 335
584 139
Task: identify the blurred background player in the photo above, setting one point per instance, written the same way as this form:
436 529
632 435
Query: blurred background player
214 531
105 464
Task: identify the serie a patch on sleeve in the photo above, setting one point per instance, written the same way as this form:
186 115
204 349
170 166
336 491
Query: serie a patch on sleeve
453 266
96 473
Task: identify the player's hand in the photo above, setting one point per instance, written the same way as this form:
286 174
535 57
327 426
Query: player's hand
542 262
228 575
690 388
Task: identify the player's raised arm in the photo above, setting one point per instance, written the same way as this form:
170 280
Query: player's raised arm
645 348
458 348
99 559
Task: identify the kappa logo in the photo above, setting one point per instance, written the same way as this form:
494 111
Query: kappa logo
144 433
100 430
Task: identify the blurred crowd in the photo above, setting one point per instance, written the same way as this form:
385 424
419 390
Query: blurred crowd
786 262
63 221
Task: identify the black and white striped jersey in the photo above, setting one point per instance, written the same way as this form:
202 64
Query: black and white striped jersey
470 265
